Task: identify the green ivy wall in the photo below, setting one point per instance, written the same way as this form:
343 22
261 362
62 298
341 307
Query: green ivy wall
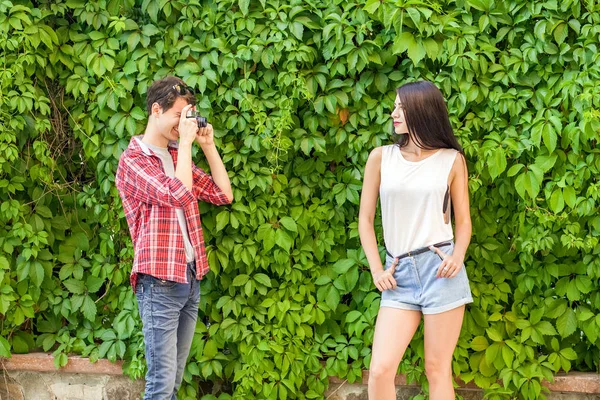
299 92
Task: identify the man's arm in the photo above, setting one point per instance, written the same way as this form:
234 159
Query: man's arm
218 171
140 178
188 129
216 190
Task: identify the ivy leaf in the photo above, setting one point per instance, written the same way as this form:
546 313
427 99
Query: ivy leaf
342 266
263 279
570 196
150 30
74 286
222 220
297 29
566 324
557 202
479 317
244 6
289 224
497 163
546 328
561 32
479 343
332 299
240 280
372 5
283 240
89 308
416 52
4 348
93 283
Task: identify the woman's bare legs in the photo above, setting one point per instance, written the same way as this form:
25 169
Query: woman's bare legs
393 332
441 335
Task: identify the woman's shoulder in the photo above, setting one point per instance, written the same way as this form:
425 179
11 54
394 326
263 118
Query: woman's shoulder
452 155
381 150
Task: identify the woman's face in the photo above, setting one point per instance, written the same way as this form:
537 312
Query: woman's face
398 116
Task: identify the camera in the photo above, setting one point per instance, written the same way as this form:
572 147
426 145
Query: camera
199 119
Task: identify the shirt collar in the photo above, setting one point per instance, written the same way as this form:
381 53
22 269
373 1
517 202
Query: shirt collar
137 144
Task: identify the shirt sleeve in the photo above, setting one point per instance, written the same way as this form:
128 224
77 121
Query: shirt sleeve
205 188
140 178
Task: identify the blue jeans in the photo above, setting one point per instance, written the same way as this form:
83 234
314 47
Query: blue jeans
169 311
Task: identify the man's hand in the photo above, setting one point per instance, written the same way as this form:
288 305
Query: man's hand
187 127
204 136
384 280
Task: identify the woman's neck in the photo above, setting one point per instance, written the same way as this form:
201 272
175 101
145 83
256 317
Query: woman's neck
412 148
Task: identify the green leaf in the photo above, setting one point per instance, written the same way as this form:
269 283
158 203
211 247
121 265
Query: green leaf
244 6
416 52
557 202
222 220
89 308
322 280
4 348
512 171
289 224
479 317
262 279
561 32
150 30
240 280
479 343
74 286
371 6
570 196
332 298
283 240
297 29
381 82
566 324
342 266
93 283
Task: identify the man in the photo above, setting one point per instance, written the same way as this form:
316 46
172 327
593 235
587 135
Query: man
160 188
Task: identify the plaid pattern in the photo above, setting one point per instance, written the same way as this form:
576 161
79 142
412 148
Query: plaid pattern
149 200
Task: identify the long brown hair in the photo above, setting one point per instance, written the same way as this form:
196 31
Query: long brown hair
426 117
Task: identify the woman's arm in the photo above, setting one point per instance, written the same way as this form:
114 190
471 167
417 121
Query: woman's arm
459 193
366 229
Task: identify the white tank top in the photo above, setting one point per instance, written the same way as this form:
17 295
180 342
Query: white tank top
415 199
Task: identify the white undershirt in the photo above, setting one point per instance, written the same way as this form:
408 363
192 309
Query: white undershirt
169 168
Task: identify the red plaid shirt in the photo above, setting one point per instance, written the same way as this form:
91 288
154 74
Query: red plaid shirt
149 200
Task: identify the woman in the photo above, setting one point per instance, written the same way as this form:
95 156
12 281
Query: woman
418 178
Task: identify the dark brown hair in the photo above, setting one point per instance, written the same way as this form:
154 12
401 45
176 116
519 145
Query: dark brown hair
426 117
165 93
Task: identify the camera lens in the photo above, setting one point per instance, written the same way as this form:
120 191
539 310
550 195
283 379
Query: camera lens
200 120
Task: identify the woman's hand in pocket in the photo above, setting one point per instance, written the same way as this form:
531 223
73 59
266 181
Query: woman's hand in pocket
450 265
384 280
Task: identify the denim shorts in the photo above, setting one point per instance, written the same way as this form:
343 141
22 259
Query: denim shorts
418 289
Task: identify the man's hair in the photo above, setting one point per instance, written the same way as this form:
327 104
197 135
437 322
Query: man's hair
166 91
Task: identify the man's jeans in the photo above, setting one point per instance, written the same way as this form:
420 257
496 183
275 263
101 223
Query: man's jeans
169 311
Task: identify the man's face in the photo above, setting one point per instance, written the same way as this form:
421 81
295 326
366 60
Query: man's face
168 121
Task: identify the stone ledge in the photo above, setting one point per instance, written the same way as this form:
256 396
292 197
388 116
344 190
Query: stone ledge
573 382
42 362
